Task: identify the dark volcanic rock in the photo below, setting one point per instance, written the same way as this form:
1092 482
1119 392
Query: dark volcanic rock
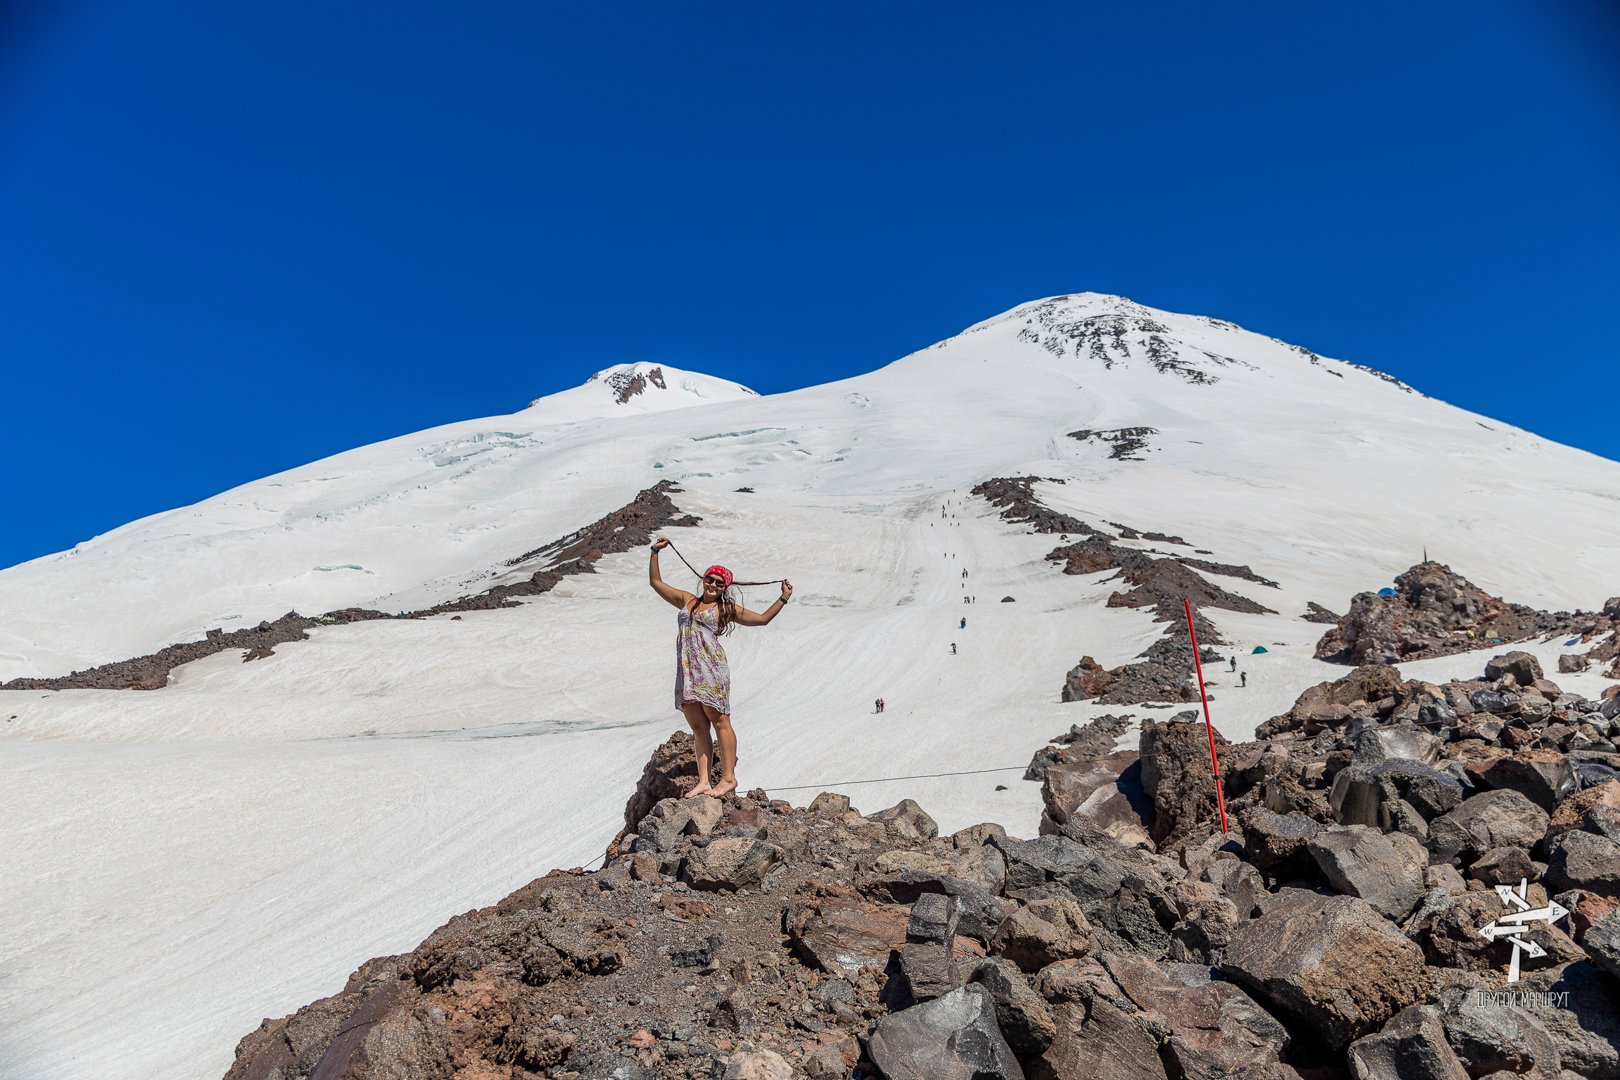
1412 1046
954 1037
1386 870
1021 1013
1214 1029
1177 774
1545 777
1316 613
1310 958
1042 933
1434 612
629 527
1484 821
1583 860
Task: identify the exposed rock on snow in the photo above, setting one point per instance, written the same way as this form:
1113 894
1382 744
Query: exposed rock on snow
1434 612
1125 444
628 527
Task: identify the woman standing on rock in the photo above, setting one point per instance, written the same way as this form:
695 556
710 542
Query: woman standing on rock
702 677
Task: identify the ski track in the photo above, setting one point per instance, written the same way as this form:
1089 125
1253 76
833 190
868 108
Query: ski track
180 864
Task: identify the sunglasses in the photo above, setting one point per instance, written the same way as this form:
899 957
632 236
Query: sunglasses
714 581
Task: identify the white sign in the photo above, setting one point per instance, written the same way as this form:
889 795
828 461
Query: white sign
1513 925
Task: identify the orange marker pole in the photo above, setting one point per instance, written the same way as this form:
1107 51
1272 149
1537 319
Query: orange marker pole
1198 665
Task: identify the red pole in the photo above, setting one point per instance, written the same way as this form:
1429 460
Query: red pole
1198 665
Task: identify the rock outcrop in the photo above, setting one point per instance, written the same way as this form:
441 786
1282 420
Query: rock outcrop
1433 612
628 527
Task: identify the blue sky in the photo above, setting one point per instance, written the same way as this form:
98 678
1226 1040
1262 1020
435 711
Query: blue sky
240 237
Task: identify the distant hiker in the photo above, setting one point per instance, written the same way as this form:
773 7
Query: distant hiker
702 676
964 571
964 623
966 599
1234 663
953 648
1243 678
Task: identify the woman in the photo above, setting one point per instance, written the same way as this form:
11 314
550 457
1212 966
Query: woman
702 679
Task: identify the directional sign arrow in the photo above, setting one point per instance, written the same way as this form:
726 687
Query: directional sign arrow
1549 913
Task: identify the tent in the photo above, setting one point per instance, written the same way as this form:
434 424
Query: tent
1261 648
1386 591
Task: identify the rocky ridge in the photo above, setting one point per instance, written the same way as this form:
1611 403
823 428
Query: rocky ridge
1334 932
1434 612
630 526
1157 580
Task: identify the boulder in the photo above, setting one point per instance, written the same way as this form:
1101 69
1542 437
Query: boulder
1213 1028
1308 957
1602 944
1580 1008
704 813
1412 1046
840 936
1572 810
830 803
1484 821
1277 843
1205 931
906 820
933 920
926 970
1366 794
1104 792
1021 1013
1545 777
730 863
978 911
1238 882
1399 741
1504 866
1523 667
1176 775
1099 1040
1583 860
1491 1038
1042 932
1386 870
954 1037
664 824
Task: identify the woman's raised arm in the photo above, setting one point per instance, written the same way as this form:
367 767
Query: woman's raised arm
745 617
676 597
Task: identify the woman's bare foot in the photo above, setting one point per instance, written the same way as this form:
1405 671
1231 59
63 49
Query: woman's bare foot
701 789
726 787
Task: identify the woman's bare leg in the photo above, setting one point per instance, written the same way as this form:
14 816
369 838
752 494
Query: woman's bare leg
727 738
699 723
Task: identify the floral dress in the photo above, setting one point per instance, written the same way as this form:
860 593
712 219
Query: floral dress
701 672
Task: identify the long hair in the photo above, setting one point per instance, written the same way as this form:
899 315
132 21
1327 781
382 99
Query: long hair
730 600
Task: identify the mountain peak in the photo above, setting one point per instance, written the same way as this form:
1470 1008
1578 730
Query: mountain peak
634 388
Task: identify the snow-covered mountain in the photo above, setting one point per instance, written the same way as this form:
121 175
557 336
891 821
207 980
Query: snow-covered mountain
189 860
625 389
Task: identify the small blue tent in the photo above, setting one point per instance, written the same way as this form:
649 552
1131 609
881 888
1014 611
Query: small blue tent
1386 592
1261 648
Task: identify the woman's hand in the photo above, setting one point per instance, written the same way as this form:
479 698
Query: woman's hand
787 592
661 543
